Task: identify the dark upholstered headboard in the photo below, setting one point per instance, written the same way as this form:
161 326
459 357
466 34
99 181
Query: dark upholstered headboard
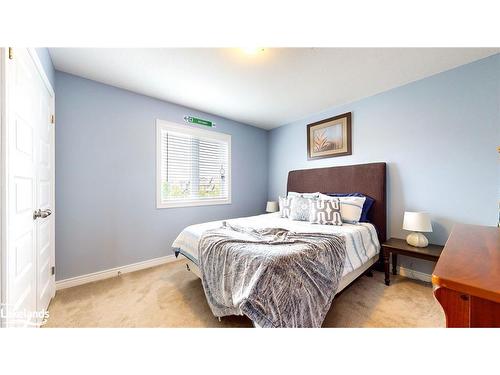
368 179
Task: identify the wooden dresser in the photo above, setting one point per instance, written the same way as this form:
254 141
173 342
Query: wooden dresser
467 277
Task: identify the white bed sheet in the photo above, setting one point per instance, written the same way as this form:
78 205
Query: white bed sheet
361 239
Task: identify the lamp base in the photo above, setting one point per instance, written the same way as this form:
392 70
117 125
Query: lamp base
417 239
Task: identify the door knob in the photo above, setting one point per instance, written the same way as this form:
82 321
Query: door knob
41 213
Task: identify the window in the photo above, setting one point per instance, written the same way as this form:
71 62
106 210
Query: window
193 166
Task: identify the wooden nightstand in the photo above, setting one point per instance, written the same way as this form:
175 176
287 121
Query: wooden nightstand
398 246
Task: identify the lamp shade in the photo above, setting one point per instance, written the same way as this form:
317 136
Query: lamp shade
272 206
417 222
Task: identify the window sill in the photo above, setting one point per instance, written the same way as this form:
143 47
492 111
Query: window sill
208 202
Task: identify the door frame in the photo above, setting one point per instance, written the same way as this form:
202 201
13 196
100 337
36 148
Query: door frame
4 115
2 187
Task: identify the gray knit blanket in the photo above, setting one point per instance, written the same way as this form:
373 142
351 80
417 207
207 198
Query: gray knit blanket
276 277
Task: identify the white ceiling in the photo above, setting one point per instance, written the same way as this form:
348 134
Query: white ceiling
267 89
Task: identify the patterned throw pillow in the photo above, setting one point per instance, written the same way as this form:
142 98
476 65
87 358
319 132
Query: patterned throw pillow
350 207
300 208
365 212
325 211
285 204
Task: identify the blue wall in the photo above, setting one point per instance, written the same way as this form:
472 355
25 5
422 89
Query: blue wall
46 60
106 213
439 137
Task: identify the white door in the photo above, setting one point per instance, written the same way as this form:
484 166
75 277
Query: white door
29 167
45 223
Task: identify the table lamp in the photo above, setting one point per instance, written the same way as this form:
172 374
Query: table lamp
417 222
272 206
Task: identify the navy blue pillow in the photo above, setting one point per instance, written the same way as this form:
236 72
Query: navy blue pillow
366 206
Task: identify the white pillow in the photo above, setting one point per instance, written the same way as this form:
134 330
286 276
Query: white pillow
350 207
326 197
305 195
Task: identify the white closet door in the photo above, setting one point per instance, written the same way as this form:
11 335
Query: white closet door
29 187
45 199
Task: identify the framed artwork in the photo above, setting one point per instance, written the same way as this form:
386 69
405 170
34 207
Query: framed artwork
330 137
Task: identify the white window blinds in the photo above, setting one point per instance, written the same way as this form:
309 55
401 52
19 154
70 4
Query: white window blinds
193 166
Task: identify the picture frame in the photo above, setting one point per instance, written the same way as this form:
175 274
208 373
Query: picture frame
330 137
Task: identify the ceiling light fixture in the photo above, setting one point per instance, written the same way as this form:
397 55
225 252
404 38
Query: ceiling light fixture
252 50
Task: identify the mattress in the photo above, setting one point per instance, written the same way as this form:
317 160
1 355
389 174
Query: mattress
361 239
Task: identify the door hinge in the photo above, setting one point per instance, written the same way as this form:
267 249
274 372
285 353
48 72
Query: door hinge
11 53
52 119
53 270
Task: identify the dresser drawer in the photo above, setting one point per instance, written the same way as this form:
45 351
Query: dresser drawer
463 310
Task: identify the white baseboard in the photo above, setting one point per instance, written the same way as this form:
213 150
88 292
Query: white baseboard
106 274
412 274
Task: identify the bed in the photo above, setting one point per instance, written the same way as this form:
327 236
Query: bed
362 243
362 240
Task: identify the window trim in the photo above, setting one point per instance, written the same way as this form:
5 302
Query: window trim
196 132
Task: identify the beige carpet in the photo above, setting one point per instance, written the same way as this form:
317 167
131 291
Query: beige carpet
171 296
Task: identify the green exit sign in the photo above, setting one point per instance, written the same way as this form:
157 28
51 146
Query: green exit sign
199 121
